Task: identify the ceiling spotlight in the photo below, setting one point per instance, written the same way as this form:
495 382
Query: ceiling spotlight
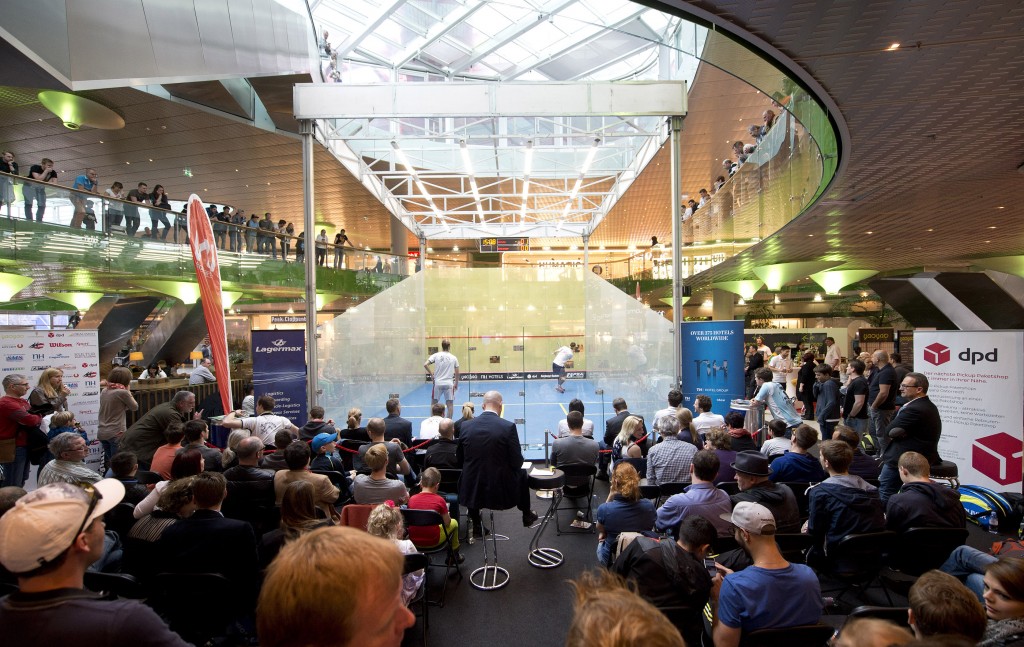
893 47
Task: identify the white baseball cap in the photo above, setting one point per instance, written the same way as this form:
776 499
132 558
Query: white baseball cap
44 523
749 516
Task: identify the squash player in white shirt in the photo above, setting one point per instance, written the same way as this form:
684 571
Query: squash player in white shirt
446 376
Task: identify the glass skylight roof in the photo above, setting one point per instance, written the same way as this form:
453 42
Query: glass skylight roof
377 41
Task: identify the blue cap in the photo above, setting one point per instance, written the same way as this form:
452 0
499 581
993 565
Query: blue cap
320 440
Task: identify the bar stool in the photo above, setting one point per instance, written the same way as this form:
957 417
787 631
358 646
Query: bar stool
539 556
946 471
490 576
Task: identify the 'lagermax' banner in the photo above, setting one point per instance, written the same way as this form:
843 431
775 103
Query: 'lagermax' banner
279 370
975 380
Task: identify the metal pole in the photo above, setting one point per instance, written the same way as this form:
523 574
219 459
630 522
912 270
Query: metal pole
677 244
586 252
423 252
306 131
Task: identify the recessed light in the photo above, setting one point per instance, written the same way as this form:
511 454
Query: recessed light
929 230
101 141
150 159
127 162
869 232
996 207
810 235
894 47
992 227
988 241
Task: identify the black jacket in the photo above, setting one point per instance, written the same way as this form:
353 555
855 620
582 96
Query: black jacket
842 505
779 499
397 427
920 419
312 428
924 505
613 425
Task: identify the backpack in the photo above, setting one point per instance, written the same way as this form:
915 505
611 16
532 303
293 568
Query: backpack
980 502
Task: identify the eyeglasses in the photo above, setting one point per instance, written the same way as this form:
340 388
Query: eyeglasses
909 386
94 499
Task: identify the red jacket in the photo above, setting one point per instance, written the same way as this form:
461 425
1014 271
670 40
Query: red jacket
14 412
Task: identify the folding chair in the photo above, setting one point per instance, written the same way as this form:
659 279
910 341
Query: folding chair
803 635
413 563
432 519
579 482
802 498
120 519
665 490
122 585
197 628
856 560
922 549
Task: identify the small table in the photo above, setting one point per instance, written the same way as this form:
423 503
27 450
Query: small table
540 556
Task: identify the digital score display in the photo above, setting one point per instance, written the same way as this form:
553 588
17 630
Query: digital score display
504 245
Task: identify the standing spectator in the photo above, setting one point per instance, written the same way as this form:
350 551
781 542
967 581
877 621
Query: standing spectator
86 182
773 396
284 235
917 427
115 402
854 410
755 132
881 396
132 219
781 366
42 172
219 221
338 240
805 385
147 433
768 117
252 226
265 236
264 424
321 248
10 167
300 247
341 240
14 418
755 361
864 466
237 230
832 357
51 394
157 214
826 393
115 210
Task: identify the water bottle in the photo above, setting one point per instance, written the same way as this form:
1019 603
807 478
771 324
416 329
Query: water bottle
993 523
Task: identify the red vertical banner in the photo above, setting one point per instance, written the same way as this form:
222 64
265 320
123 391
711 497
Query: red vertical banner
204 253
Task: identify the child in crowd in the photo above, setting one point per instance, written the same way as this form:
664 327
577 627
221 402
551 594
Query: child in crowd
163 457
778 444
386 521
60 422
429 499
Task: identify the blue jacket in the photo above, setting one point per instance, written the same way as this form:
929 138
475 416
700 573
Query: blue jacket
843 505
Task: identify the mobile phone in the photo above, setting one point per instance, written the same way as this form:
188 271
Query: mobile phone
710 565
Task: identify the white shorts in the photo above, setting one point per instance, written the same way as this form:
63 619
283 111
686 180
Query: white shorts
443 393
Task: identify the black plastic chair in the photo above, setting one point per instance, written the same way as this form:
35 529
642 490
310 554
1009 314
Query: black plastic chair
896 615
800 491
856 560
651 492
922 549
145 477
432 519
794 545
579 483
415 562
120 519
198 628
122 585
665 490
639 464
729 487
803 635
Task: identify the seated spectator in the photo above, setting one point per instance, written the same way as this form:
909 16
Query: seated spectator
325 459
275 460
669 461
798 465
140 552
672 574
377 487
68 466
588 425
397 463
9 495
701 498
574 448
264 424
675 398
207 542
441 452
921 502
61 422
940 604
770 594
124 466
624 511
871 632
739 438
778 444
386 522
608 613
429 499
228 458
1004 603
48 540
250 488
841 504
297 456
625 443
298 516
687 430
752 472
354 429
428 427
316 425
360 574
187 463
468 408
196 435
863 465
164 455
720 442
706 419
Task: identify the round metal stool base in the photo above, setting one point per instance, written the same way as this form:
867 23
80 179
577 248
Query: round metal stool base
545 494
545 558
489 578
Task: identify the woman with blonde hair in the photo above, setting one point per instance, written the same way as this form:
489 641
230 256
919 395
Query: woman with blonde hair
686 426
228 457
624 511
624 445
386 522
468 409
355 429
50 394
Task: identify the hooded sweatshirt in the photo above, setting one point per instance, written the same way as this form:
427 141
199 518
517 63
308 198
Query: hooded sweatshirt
841 505
310 430
779 499
924 505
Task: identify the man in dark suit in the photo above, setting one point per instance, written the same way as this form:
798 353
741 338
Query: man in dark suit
492 476
250 489
207 542
916 427
395 426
